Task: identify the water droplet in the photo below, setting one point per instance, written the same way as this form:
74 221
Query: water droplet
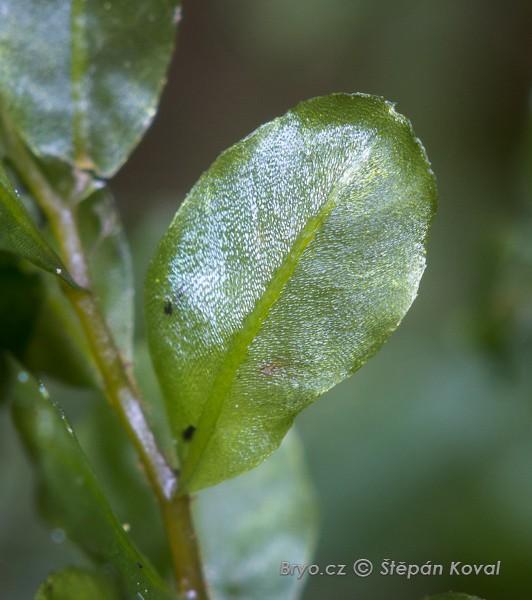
59 271
191 595
126 527
23 377
57 536
43 391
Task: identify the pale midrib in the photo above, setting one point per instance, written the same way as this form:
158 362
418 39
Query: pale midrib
251 328
79 65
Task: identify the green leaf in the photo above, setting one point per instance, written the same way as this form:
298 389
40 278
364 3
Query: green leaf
20 236
248 526
81 80
110 265
59 345
117 468
289 264
77 584
70 496
20 302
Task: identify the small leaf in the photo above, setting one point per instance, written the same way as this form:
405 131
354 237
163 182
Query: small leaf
59 346
81 80
20 236
77 584
110 265
116 465
20 302
70 496
248 526
289 264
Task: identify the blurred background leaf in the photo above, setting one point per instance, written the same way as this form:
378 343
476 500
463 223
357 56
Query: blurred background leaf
247 526
77 583
20 302
69 496
20 236
58 346
109 258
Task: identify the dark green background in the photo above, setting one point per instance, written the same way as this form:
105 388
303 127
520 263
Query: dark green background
426 454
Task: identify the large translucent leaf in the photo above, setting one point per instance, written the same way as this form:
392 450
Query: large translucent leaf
248 526
289 264
77 584
81 80
69 494
20 236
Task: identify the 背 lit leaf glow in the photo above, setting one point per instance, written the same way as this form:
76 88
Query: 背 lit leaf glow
288 265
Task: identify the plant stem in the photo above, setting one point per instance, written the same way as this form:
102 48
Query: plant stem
119 385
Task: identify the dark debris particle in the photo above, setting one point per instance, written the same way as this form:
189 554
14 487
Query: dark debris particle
188 433
140 565
168 308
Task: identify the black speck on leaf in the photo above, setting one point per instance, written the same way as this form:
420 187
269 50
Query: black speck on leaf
140 565
188 433
168 308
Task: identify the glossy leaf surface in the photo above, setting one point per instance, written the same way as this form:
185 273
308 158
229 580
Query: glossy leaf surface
81 80
289 264
69 494
248 526
77 584
20 236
